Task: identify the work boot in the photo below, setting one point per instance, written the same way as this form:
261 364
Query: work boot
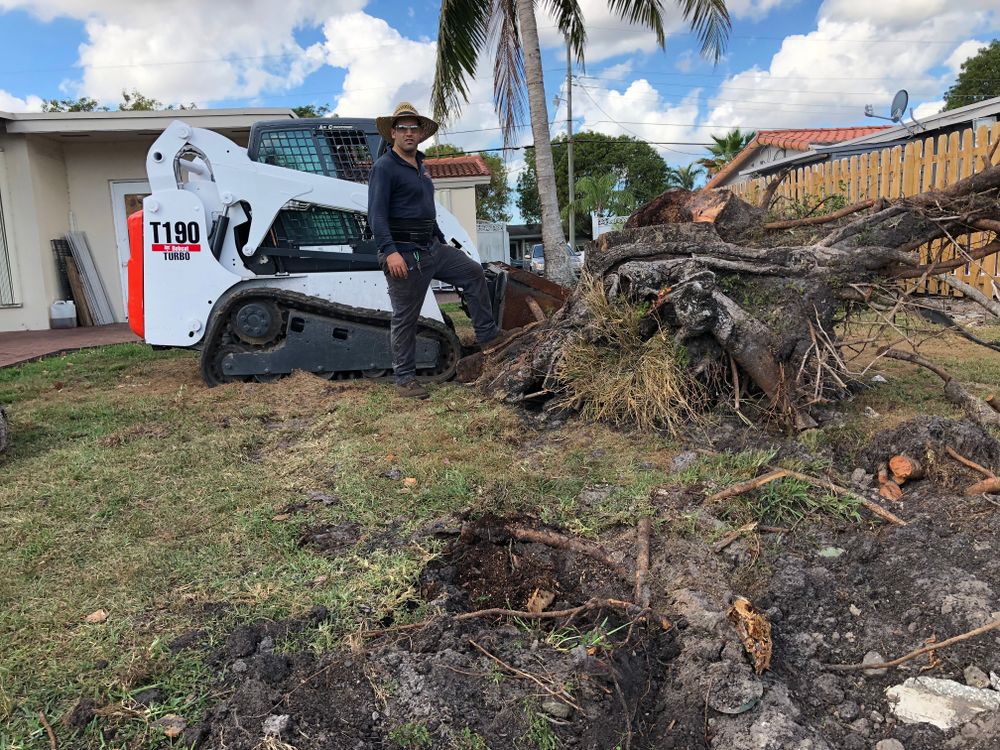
411 389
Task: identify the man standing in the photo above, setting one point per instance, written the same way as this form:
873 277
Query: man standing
412 249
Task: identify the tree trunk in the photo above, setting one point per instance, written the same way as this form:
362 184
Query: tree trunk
557 262
745 305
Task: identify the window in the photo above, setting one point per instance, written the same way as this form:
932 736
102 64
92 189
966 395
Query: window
335 152
6 278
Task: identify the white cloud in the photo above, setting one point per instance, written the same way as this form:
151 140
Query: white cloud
755 9
11 103
962 53
202 51
859 53
928 108
641 111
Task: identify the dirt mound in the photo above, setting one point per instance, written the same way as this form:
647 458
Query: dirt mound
925 438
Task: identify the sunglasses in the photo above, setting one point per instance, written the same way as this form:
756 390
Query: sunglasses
407 128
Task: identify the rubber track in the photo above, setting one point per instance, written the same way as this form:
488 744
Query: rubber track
451 348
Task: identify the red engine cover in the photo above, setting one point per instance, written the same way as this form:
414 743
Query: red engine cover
136 318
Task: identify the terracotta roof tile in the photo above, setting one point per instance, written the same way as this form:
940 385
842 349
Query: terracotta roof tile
443 167
796 140
800 140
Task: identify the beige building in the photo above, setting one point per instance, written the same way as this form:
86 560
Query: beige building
86 171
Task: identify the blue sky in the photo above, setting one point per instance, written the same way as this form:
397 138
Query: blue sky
789 63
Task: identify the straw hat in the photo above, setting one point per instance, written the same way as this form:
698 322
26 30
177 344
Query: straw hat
405 109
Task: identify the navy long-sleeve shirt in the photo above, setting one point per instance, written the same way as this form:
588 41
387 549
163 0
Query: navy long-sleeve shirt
397 190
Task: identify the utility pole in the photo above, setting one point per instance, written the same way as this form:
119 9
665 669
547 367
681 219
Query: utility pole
569 145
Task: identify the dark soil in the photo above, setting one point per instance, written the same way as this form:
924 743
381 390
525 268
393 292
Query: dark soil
587 684
833 591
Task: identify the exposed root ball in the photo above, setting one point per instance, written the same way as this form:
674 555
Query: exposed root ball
609 372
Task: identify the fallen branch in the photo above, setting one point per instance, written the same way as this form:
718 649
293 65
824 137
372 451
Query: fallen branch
874 507
825 219
642 562
48 730
971 292
987 486
948 265
968 462
955 392
741 488
772 187
914 654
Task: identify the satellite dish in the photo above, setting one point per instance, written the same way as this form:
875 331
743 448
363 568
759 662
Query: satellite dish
899 102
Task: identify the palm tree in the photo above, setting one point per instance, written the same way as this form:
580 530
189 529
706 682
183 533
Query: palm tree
724 149
468 27
601 195
684 177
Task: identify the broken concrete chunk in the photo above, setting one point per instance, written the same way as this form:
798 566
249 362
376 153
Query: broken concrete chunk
874 657
975 677
277 724
890 744
831 552
944 703
556 709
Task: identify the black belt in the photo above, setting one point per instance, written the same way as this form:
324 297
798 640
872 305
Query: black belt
418 238
417 231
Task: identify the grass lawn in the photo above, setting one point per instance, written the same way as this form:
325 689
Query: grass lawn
132 488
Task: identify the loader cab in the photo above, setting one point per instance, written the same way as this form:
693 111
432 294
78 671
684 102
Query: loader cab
343 148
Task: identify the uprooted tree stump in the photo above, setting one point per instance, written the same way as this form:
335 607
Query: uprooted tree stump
740 303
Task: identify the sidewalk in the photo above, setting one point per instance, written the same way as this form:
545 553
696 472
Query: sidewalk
24 346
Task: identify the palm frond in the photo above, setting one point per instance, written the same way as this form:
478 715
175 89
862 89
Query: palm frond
648 13
569 19
463 31
509 89
710 21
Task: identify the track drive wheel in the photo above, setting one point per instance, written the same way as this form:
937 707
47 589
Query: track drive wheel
256 322
213 371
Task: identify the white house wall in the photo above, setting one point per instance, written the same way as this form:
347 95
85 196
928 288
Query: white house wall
36 211
90 170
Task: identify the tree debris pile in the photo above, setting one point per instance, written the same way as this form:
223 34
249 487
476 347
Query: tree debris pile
747 306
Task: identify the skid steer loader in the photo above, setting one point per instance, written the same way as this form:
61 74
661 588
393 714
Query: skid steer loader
262 257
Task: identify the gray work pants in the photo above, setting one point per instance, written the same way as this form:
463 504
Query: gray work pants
444 263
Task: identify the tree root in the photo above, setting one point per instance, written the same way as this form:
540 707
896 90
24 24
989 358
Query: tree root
968 462
955 392
874 507
642 562
914 654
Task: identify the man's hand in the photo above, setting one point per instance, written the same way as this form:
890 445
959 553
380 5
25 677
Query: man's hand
396 265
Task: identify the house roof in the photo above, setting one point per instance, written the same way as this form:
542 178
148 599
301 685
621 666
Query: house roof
128 124
792 139
469 165
800 140
891 135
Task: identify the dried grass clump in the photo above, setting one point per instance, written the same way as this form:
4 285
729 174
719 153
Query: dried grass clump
611 373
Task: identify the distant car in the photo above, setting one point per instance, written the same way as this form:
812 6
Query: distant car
537 259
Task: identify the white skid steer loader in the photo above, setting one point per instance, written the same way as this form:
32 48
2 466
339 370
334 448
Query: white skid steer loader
262 257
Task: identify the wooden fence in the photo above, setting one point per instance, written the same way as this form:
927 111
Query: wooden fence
923 165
